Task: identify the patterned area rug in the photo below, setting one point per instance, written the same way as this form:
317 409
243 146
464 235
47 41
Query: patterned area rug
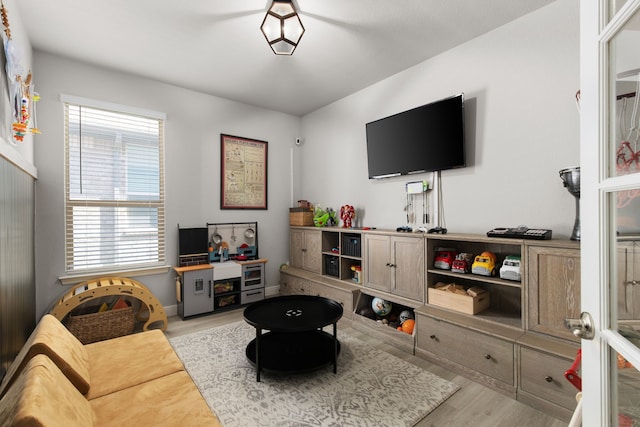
371 388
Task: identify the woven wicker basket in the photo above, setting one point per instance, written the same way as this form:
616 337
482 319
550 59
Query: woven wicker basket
101 326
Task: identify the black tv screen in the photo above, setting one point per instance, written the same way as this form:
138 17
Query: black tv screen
424 139
193 241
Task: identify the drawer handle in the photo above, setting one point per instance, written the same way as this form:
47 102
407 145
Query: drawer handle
548 379
433 337
487 356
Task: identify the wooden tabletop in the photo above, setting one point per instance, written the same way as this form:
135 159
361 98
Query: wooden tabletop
213 265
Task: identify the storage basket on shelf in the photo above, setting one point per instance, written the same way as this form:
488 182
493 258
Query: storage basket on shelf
91 327
300 216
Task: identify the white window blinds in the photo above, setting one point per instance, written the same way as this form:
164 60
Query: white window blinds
114 164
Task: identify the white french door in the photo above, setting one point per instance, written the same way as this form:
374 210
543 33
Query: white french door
610 210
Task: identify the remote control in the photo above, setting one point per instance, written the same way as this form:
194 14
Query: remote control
521 233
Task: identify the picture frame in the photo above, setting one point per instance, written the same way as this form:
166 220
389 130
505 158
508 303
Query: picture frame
243 173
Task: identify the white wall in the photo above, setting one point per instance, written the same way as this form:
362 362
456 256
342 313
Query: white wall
192 131
522 128
19 153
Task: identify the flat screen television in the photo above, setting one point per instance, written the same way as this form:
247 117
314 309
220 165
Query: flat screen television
193 241
424 139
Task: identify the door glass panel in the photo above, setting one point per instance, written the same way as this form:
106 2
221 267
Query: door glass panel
615 6
624 129
625 262
626 396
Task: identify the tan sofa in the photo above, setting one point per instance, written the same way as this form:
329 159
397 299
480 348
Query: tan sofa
133 380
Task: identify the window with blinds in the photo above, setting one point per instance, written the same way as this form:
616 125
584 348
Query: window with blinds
114 212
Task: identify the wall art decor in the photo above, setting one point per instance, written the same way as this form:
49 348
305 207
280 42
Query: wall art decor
243 169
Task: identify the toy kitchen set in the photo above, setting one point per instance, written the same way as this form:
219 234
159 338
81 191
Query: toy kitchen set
218 268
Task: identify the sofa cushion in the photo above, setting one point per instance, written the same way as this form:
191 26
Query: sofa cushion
173 397
50 337
42 396
126 361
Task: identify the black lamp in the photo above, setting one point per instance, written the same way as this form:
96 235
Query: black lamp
282 27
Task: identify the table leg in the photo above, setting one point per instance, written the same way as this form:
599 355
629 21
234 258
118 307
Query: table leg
335 348
258 335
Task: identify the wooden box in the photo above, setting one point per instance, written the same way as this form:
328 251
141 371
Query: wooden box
301 218
462 303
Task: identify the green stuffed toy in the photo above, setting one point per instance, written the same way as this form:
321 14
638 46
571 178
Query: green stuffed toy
320 217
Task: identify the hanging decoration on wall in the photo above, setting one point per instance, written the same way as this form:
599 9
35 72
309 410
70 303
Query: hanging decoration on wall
22 96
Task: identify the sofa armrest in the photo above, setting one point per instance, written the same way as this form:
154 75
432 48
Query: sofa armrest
50 337
42 396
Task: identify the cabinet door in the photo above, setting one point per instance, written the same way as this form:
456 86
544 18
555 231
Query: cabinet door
377 250
408 267
553 289
197 291
296 247
313 251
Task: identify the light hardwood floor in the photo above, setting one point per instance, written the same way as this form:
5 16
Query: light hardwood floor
473 405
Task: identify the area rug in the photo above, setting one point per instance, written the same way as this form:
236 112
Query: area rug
371 388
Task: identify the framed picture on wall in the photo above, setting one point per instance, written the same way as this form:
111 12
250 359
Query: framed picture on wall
243 169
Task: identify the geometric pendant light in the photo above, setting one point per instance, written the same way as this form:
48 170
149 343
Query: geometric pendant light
282 27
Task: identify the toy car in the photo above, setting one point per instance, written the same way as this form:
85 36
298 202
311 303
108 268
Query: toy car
510 269
462 263
444 258
484 264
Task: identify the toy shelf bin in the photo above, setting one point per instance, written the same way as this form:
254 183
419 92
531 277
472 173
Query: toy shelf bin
351 245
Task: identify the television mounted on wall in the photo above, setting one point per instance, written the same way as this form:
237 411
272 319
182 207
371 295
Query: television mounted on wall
424 139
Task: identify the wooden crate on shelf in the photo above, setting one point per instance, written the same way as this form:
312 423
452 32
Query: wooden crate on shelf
463 303
300 217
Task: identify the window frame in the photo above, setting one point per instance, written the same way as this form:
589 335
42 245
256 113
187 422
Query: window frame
141 268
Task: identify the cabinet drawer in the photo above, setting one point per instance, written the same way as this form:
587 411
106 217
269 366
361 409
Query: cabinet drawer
290 285
485 354
247 297
542 375
345 298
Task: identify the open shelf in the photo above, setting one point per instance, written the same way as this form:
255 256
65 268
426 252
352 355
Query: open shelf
341 250
474 277
364 319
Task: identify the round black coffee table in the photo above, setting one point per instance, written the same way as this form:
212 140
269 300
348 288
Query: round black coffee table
295 341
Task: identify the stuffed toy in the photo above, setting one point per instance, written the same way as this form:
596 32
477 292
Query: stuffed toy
320 217
347 214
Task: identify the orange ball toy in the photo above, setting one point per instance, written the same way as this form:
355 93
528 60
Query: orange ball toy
407 326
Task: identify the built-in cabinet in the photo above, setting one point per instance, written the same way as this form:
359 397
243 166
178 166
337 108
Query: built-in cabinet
395 264
306 249
553 289
517 345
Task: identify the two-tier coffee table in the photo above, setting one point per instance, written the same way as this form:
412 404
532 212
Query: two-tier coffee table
295 341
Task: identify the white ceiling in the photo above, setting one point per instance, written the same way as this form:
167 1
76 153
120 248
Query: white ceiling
216 47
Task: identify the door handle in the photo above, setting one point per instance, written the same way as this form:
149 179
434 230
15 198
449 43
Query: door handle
582 327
